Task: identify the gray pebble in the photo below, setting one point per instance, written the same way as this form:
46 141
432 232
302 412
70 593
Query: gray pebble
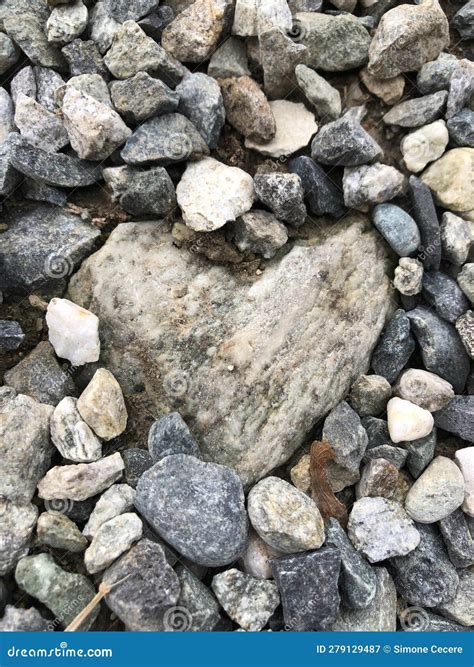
283 194
197 610
420 453
126 10
11 336
84 57
136 461
16 532
369 395
322 195
17 619
142 97
346 435
458 417
463 20
229 59
171 435
395 347
427 220
442 292
398 228
461 88
200 100
258 232
344 142
436 74
142 192
417 112
457 538
461 128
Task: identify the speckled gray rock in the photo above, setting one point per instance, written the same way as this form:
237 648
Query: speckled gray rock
200 100
458 417
425 389
398 228
83 57
66 22
442 292
283 194
344 142
392 454
371 184
461 128
437 492
258 232
380 528
197 609
465 328
126 10
247 600
136 461
64 593
9 53
369 395
436 74
466 280
45 193
322 96
463 21
441 348
420 453
11 336
7 112
229 59
461 608
18 619
209 500
458 539
308 585
90 84
279 55
348 439
416 112
71 435
461 87
102 27
142 192
395 347
10 178
322 195
111 539
38 126
170 435
56 530
148 587
116 500
425 577
47 83
142 97
16 530
455 238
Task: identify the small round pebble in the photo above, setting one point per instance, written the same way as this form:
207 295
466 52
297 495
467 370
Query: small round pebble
407 421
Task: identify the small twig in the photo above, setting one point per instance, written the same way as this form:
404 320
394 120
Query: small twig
104 589
321 491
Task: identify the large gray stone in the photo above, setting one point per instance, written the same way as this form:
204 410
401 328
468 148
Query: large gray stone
228 367
16 530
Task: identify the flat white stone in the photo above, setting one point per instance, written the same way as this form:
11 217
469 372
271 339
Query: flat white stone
424 145
113 538
73 438
407 421
295 126
113 502
465 460
102 406
73 332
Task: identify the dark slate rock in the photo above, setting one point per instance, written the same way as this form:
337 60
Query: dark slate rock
308 585
11 335
346 435
463 21
197 507
461 128
136 461
46 193
41 248
129 10
436 74
461 88
417 112
142 192
427 220
321 194
398 229
83 57
40 376
457 417
395 347
171 435
458 539
395 455
422 620
344 142
358 583
283 194
420 453
166 139
148 587
57 169
201 608
153 24
377 432
17 619
10 178
78 511
443 292
441 348
200 100
425 576
142 97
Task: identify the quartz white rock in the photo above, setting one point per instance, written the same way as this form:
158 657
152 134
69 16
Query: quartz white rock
210 194
102 406
295 126
66 22
407 421
252 17
465 460
73 438
95 130
424 145
371 184
73 332
446 178
40 127
112 539
437 492
113 502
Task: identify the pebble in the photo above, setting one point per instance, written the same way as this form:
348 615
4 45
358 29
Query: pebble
441 348
461 87
116 500
113 538
369 395
424 145
465 328
425 389
388 90
344 142
371 184
308 585
358 581
9 53
102 27
347 437
395 347
84 58
420 453
6 115
229 60
295 126
92 85
252 17
200 100
465 460
26 448
257 557
16 531
209 500
461 607
377 432
148 587
437 492
10 179
39 192
164 140
407 421
445 178
407 37
379 478
23 82
171 435
73 332
395 455
136 461
248 601
436 74
64 593
426 576
247 108
17 619
466 280
380 528
102 406
81 481
210 194
48 83
397 227
455 238
11 335
325 99
202 609
258 232
443 292
39 127
284 517
66 22
416 112
71 435
142 192
457 538
141 97
461 128
279 55
424 212
322 196
55 530
129 10
283 194
463 21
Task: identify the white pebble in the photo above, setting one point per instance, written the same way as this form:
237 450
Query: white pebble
424 145
73 332
407 421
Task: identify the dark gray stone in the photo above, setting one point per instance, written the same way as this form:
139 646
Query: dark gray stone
395 455
164 140
436 74
344 142
461 128
395 347
17 619
170 435
346 435
84 58
417 112
10 178
129 10
41 248
148 588
200 100
11 335
308 585
200 610
377 432
357 581
142 97
420 453
463 21
136 461
196 507
457 538
322 195
283 194
425 576
461 88
37 191
398 228
142 192
443 292
427 220
457 417
441 348
153 24
3 595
